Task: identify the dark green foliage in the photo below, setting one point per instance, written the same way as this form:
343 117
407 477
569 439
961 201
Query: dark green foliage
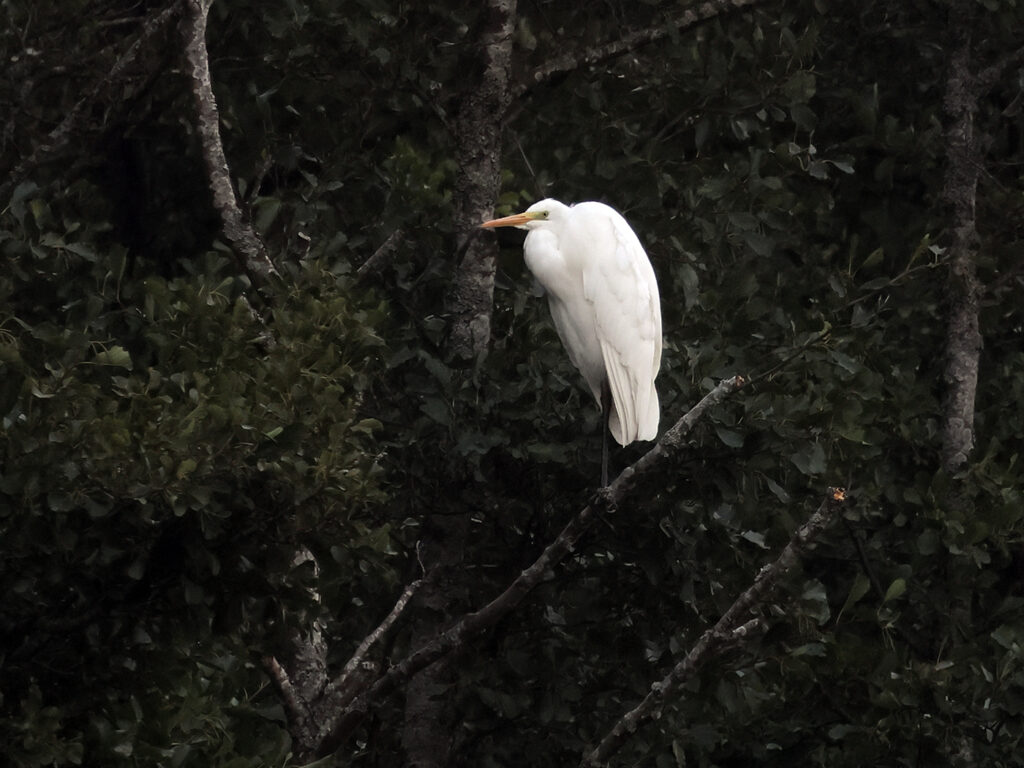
171 439
164 451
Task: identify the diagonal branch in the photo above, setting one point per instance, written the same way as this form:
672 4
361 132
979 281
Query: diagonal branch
299 716
630 41
248 246
734 627
382 256
337 728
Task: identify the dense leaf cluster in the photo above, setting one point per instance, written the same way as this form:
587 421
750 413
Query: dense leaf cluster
165 453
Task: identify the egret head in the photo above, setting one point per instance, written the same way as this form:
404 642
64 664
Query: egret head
533 217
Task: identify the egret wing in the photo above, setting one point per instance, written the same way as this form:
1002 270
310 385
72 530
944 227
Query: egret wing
619 282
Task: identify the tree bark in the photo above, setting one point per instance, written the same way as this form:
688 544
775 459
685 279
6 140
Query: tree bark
247 244
477 129
963 168
429 729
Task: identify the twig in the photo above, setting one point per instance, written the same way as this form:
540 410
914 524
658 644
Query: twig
336 728
730 630
257 180
382 256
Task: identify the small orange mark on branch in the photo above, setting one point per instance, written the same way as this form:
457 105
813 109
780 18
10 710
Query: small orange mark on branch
838 494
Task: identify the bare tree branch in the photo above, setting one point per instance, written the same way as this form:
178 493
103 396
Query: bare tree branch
248 246
336 730
631 41
57 140
299 716
732 628
337 693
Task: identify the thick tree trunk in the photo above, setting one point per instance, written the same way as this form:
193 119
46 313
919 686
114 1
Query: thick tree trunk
429 731
963 168
478 127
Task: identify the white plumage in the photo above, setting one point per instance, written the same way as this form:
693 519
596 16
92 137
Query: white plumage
604 302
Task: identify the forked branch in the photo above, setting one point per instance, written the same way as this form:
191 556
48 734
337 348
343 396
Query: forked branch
309 706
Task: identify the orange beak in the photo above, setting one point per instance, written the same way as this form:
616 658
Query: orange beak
509 221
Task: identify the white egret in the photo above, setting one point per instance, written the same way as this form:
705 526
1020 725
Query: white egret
604 302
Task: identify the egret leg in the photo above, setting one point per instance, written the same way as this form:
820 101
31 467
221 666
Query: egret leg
606 412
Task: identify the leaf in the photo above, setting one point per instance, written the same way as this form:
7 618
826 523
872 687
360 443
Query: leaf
185 468
760 244
700 132
691 284
860 587
928 542
845 362
437 410
818 169
842 165
1006 636
715 188
60 502
115 355
367 426
800 87
815 600
729 437
810 460
267 210
778 491
874 258
37 392
755 538
897 588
